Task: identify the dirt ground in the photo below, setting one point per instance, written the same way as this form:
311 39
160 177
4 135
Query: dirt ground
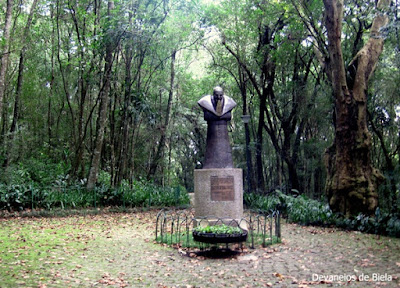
123 253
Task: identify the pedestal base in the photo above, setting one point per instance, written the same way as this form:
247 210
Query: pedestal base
218 193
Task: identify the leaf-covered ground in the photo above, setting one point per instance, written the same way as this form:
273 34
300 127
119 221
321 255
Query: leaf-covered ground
118 250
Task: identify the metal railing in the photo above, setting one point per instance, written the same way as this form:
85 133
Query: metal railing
175 227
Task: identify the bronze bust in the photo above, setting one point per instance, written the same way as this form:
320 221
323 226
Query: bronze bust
217 112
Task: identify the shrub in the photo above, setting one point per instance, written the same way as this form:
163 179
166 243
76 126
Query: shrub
307 211
296 209
393 226
14 197
382 223
107 195
62 194
42 172
261 202
145 193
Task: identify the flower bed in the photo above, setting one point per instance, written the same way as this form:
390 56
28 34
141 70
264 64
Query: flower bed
219 234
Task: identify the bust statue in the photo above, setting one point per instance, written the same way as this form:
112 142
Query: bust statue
217 112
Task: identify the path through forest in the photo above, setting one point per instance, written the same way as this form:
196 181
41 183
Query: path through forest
118 250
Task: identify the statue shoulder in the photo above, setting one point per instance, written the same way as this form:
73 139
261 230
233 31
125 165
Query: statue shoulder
229 104
206 103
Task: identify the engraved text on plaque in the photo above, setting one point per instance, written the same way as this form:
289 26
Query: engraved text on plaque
222 188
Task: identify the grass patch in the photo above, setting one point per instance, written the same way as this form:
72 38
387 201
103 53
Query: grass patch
182 240
32 248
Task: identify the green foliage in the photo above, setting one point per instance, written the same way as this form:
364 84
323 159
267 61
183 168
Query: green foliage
145 193
41 170
218 229
307 211
184 240
38 183
15 197
297 209
63 194
382 223
261 202
74 196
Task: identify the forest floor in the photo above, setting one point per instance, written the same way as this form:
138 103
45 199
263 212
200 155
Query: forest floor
118 250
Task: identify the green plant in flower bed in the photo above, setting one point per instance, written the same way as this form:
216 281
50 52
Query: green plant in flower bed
182 240
218 229
187 241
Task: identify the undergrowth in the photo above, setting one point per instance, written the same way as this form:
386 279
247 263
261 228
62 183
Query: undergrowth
306 211
41 184
64 195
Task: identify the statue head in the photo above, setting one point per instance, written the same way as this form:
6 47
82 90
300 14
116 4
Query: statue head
218 93
217 104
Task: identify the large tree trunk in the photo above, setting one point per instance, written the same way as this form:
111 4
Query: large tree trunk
352 181
4 57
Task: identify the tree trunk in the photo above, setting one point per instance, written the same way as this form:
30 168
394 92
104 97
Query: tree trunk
6 52
291 160
161 143
51 93
126 121
249 165
18 89
259 144
102 117
352 181
78 168
123 146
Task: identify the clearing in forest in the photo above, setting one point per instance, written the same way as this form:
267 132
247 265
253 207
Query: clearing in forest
118 250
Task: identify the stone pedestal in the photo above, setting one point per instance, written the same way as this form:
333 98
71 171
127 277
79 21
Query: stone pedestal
218 193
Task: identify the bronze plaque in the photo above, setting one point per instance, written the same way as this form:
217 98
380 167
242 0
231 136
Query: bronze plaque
222 188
